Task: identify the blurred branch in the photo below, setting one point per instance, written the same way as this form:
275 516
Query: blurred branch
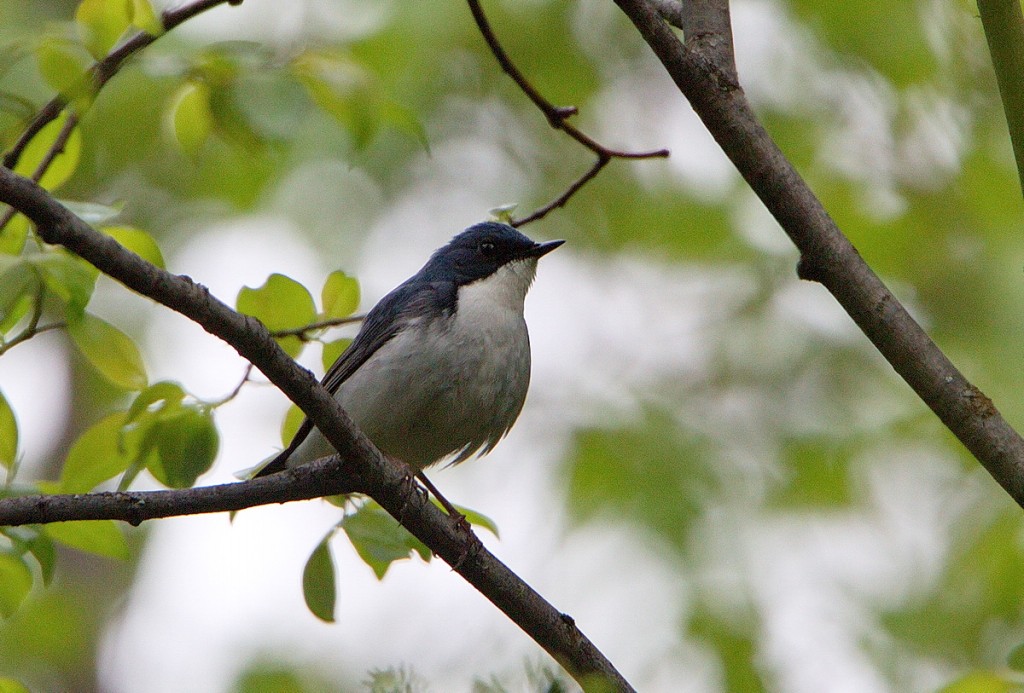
55 149
302 332
703 71
557 117
103 70
1003 22
359 466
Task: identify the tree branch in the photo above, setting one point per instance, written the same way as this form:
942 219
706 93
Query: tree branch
358 462
1003 22
557 117
827 256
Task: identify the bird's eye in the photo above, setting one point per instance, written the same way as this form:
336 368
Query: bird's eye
487 249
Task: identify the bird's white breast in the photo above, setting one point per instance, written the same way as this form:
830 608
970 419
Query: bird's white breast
450 385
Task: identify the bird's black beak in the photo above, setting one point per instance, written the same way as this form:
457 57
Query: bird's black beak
542 249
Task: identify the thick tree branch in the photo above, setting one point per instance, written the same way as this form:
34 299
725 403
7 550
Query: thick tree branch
1003 22
558 118
827 256
368 471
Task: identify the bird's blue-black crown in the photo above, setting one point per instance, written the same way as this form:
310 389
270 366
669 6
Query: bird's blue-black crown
480 251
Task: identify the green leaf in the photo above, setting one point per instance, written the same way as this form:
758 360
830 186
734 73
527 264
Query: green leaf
191 118
12 686
99 537
290 426
8 434
379 539
101 23
63 64
1016 658
164 393
474 518
332 351
339 296
145 18
187 443
18 288
38 149
67 277
318 588
15 583
111 352
980 682
93 212
41 547
137 241
13 236
281 304
98 454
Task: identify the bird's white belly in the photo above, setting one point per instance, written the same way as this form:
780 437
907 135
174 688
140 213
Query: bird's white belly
450 387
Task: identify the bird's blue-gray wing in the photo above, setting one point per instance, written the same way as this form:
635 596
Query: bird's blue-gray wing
392 313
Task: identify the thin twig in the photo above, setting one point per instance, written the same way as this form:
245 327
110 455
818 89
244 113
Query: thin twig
557 117
301 332
55 150
235 392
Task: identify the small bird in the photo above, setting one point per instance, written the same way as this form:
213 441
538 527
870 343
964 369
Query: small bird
441 365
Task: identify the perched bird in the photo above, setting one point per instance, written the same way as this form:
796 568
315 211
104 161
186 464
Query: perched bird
441 365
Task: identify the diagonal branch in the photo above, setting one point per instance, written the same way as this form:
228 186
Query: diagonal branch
558 119
827 256
358 461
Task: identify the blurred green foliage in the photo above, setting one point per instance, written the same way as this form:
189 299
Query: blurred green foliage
191 133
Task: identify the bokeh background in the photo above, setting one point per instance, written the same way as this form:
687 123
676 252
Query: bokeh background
714 474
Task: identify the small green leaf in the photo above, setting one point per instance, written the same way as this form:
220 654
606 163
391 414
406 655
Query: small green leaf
63 164
475 518
191 118
68 278
63 64
340 296
163 393
281 304
8 434
145 18
101 23
18 288
379 539
12 686
333 350
111 352
41 547
318 588
93 212
15 583
137 241
13 236
290 426
99 537
97 455
503 213
187 443
980 682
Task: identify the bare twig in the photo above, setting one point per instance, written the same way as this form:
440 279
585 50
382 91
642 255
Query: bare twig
303 332
557 117
362 467
706 78
52 153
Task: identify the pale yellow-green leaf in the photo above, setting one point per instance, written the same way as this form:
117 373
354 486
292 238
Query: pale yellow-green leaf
101 23
63 164
339 296
191 118
111 352
137 241
100 537
15 583
145 18
8 433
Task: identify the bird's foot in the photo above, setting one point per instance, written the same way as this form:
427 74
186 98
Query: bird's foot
410 489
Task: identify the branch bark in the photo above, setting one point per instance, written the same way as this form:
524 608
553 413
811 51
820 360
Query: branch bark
703 71
359 467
